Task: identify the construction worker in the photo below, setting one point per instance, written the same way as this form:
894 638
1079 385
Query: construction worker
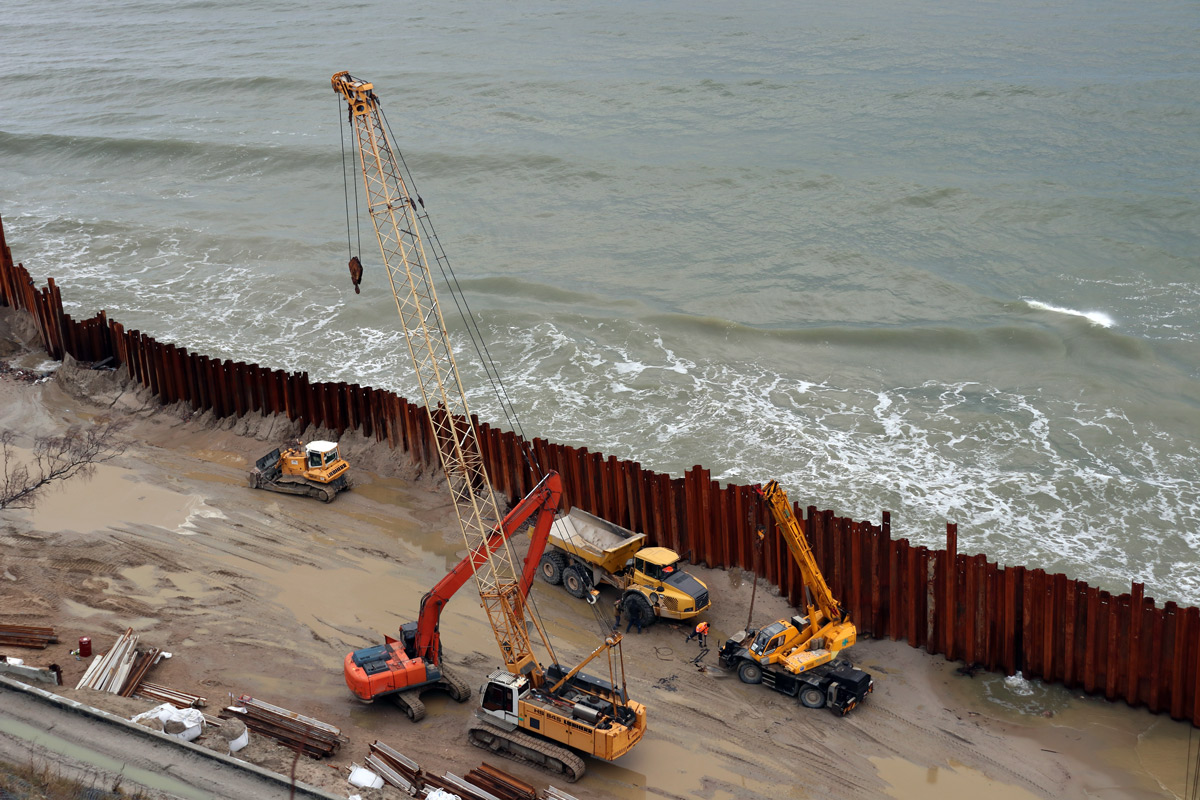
700 633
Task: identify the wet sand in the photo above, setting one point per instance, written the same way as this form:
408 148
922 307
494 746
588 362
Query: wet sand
264 594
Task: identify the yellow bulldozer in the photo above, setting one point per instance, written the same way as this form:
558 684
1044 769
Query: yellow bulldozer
316 469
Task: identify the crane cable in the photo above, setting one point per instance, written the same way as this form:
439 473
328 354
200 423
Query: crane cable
507 408
479 342
346 181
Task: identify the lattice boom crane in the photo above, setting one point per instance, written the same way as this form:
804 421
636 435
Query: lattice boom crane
564 706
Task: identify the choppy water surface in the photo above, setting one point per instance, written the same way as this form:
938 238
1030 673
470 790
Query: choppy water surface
937 259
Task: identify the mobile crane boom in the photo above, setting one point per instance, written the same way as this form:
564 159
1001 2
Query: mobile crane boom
822 607
564 706
797 656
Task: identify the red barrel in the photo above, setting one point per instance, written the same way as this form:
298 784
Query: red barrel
85 646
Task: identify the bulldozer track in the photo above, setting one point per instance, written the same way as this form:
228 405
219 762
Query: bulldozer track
531 750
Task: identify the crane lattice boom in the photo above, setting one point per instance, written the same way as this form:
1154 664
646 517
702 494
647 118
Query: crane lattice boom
398 225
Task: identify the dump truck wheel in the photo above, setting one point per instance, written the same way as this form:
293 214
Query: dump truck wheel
573 582
636 606
551 568
812 697
750 672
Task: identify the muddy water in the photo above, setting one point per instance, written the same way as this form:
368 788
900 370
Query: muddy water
61 746
907 780
1146 758
657 767
112 497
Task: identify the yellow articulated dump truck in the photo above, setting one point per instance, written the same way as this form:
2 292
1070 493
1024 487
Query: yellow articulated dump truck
585 551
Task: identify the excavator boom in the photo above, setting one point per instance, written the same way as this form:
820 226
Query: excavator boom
542 501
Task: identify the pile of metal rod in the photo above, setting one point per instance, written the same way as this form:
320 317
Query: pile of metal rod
153 691
304 734
121 669
27 636
396 769
485 783
500 783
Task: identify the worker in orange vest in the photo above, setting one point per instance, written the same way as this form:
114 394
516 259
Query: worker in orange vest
700 633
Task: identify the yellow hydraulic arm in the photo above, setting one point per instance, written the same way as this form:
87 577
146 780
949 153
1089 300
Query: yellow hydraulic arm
398 224
820 597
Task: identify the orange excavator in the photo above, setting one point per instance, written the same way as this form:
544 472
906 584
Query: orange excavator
541 715
404 668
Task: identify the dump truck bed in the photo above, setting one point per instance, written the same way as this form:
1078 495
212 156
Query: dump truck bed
597 541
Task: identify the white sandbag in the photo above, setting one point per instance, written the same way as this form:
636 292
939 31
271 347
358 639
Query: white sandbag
441 794
239 742
189 721
360 776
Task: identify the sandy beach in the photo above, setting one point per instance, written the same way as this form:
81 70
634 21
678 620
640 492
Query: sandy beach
264 594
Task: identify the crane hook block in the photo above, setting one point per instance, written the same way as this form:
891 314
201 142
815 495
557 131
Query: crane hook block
356 273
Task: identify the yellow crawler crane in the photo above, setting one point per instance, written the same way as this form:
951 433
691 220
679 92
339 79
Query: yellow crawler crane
797 656
529 713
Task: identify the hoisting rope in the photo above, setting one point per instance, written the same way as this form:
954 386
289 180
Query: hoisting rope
346 183
483 354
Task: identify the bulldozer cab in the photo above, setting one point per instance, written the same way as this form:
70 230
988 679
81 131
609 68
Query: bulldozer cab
321 454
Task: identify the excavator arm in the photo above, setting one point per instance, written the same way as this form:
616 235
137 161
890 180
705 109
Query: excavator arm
541 503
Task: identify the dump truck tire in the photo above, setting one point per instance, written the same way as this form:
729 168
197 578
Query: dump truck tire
551 568
636 606
574 582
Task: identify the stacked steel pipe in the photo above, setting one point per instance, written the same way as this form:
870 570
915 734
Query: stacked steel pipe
304 734
27 636
153 691
484 783
121 669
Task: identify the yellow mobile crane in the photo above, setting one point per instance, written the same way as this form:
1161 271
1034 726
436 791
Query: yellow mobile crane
797 656
527 712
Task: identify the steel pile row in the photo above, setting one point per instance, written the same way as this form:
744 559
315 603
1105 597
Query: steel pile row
27 636
304 734
485 783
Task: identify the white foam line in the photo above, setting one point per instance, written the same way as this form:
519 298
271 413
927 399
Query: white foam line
1094 317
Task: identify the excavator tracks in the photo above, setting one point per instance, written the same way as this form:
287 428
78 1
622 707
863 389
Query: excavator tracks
410 703
458 690
522 747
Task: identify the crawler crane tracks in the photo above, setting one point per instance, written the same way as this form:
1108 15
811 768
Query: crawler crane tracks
522 747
